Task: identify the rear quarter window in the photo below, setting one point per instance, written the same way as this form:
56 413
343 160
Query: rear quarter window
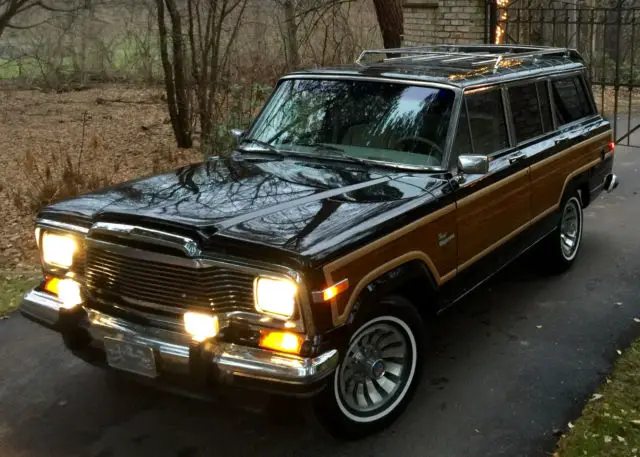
570 100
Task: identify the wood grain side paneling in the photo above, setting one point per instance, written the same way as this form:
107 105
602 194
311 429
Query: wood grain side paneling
549 176
419 241
487 216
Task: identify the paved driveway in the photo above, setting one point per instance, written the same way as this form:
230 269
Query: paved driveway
512 363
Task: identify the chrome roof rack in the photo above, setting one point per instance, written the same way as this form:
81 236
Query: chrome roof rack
474 55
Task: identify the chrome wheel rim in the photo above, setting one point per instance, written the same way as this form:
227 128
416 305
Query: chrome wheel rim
377 367
570 229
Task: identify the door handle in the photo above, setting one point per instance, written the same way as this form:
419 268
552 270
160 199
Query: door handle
517 158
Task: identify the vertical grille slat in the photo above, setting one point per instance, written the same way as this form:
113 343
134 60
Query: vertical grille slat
171 288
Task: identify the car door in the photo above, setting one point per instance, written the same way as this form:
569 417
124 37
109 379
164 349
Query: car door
494 207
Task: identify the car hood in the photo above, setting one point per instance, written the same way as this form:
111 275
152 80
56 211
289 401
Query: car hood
291 204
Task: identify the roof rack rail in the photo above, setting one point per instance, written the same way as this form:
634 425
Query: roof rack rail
489 54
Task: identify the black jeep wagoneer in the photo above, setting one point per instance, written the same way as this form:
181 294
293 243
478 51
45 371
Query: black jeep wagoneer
362 201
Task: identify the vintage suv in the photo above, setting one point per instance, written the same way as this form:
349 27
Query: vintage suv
363 201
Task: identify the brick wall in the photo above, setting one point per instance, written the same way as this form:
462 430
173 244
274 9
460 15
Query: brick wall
443 21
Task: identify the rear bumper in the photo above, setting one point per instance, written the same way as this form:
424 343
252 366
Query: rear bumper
202 364
611 182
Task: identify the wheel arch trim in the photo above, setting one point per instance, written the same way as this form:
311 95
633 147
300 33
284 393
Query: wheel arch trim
387 267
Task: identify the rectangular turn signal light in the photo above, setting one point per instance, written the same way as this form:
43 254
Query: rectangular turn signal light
281 341
330 292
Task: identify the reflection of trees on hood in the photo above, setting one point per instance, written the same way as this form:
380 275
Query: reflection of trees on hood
292 226
226 188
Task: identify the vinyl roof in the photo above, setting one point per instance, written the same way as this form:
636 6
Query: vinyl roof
460 66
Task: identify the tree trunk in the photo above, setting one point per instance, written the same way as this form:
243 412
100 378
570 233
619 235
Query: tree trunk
293 55
390 20
174 74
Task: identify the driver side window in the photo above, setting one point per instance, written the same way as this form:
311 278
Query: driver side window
486 122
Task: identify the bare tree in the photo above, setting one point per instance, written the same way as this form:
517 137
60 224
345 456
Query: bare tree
12 10
301 17
175 73
390 19
213 28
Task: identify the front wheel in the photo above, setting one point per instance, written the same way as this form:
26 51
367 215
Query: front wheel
378 373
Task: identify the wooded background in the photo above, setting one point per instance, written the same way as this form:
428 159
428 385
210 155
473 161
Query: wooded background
218 59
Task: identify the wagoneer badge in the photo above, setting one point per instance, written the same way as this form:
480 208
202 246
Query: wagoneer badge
444 238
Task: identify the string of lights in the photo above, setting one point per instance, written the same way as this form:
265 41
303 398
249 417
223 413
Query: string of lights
503 15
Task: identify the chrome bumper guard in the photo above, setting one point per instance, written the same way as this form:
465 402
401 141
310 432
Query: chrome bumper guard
173 348
611 182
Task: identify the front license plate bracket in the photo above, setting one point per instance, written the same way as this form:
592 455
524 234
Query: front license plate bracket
132 357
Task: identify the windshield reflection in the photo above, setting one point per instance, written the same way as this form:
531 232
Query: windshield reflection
377 121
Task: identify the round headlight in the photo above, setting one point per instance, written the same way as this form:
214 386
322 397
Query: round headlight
275 296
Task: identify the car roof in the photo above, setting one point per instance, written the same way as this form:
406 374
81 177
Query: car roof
453 65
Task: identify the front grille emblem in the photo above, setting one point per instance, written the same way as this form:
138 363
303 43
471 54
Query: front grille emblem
191 248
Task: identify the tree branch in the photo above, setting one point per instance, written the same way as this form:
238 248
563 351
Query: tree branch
25 27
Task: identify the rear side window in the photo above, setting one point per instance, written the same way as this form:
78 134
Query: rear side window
570 100
525 109
487 123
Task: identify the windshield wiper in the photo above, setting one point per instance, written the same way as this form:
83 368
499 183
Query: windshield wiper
268 146
326 147
331 151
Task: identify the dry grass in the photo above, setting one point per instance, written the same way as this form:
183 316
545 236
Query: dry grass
43 155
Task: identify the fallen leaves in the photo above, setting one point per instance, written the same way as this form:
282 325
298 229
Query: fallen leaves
43 124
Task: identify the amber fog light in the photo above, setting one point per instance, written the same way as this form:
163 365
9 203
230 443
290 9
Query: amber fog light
67 290
201 326
281 341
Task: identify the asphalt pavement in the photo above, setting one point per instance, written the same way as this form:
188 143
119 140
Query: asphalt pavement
511 364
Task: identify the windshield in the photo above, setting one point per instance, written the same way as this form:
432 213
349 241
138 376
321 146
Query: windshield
378 121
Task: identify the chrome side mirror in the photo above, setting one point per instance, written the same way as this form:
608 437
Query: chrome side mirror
238 134
473 164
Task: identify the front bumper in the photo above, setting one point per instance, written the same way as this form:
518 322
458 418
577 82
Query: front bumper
84 331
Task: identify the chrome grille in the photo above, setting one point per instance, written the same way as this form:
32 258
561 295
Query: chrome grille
161 291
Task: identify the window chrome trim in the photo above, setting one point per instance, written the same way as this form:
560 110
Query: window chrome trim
385 79
517 77
508 116
454 120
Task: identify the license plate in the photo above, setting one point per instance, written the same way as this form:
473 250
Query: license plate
132 357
